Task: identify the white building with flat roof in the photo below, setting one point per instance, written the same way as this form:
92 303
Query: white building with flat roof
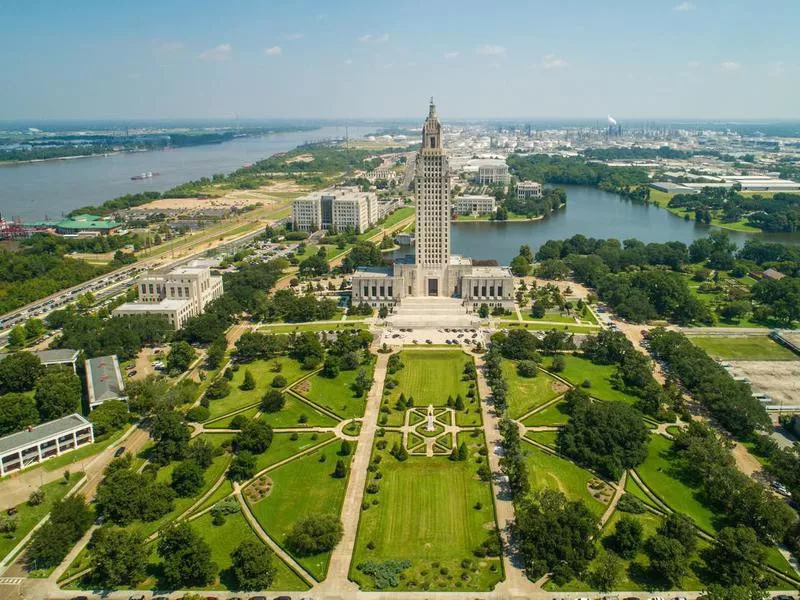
178 295
342 207
529 189
477 204
36 444
490 170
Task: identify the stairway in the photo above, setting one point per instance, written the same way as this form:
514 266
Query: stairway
432 311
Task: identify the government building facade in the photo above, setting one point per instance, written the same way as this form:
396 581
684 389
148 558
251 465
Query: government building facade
433 271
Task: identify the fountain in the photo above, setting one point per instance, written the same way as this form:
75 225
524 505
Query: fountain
430 426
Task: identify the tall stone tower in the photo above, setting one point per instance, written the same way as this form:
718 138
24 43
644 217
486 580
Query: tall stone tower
432 189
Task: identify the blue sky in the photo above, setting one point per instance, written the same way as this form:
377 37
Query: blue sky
354 59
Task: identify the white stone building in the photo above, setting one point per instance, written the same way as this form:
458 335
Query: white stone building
433 272
529 189
342 207
491 170
177 295
476 204
36 444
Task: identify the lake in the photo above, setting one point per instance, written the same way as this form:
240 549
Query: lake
591 212
33 191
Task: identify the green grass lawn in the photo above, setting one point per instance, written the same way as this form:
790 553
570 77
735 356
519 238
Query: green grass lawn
425 512
301 488
579 369
547 438
28 516
283 447
742 347
290 415
547 470
291 327
659 473
527 393
336 394
263 372
225 422
552 415
71 458
633 488
430 376
539 326
397 216
552 316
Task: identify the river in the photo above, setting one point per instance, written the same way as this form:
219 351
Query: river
33 191
591 212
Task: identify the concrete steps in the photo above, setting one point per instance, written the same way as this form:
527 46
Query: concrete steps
432 312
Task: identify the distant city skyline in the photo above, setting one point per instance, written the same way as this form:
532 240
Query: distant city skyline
354 60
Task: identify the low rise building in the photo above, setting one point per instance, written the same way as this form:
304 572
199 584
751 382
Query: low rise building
104 380
529 189
178 295
382 174
87 225
61 356
475 205
340 207
491 170
48 440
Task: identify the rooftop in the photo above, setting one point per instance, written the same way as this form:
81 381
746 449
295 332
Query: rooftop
376 271
145 307
104 379
62 355
40 433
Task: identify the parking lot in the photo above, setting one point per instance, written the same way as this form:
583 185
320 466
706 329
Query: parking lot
458 336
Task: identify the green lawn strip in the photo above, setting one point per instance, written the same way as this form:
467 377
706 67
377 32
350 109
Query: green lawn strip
430 376
777 561
527 393
397 216
546 438
290 415
301 488
537 326
552 415
425 512
70 458
742 347
658 472
548 470
224 489
634 489
292 327
164 475
263 372
225 422
550 316
28 516
283 447
578 369
336 394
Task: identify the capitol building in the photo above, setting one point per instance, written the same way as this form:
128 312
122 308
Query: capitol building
433 272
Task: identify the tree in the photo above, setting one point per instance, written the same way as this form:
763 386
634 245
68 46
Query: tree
58 393
520 344
69 520
315 534
345 448
125 496
459 403
736 556
679 527
243 466
735 592
668 559
17 338
527 368
171 434
33 328
606 572
119 557
180 356
627 537
111 415
272 401
255 437
252 566
520 266
187 478
19 372
362 382
186 558
340 471
201 451
219 388
383 312
483 310
216 352
17 411
249 382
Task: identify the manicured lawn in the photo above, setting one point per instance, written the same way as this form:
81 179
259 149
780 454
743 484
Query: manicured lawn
65 460
397 216
291 327
633 488
302 488
527 393
283 447
579 369
426 513
430 376
742 347
224 489
290 415
547 470
551 316
659 473
539 326
547 438
336 394
28 516
552 415
225 422
263 372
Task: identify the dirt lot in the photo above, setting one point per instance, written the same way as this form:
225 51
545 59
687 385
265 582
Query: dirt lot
779 379
265 195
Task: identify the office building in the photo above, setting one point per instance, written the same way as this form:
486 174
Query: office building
36 444
340 207
478 204
529 189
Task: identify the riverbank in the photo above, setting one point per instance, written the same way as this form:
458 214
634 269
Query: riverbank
10 163
661 199
512 217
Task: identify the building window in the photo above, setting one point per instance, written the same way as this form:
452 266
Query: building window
483 291
475 290
390 291
366 291
374 291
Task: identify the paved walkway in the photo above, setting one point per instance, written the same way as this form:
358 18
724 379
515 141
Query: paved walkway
337 580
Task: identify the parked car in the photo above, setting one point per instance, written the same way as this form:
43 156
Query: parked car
119 452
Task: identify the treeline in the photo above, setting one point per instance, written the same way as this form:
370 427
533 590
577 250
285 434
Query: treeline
729 402
100 244
551 200
634 153
629 182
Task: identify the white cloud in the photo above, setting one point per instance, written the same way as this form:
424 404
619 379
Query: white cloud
684 7
450 55
295 36
551 61
369 38
219 52
730 66
348 61
273 51
490 50
693 64
170 46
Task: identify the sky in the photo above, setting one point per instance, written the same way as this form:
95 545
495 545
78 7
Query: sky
89 59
